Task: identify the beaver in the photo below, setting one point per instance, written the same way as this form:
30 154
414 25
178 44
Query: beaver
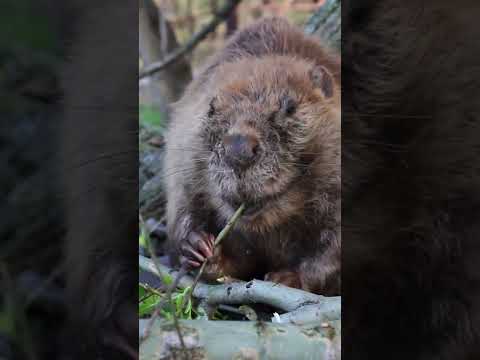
259 125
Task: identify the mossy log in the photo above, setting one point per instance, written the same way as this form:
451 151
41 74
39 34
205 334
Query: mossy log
219 340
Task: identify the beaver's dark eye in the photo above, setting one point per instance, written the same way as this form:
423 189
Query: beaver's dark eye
289 106
272 116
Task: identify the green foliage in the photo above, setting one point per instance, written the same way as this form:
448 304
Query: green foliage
142 238
151 116
167 279
149 299
178 299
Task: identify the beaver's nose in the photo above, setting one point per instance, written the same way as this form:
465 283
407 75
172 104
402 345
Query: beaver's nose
241 151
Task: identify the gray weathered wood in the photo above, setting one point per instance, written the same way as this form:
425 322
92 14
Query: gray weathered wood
219 340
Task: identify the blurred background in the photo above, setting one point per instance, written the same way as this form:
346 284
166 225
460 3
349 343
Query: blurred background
167 24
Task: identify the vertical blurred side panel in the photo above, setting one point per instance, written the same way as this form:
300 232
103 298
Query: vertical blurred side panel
99 169
410 180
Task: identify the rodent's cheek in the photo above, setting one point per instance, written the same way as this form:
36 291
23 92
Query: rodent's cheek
277 185
222 181
212 134
211 141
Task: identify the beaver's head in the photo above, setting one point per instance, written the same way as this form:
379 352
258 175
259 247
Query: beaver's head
271 123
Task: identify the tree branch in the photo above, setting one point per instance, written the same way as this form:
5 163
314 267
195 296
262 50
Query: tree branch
255 291
219 17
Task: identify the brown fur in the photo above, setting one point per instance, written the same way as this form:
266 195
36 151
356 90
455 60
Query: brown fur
295 182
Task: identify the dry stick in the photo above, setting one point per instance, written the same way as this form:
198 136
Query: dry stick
218 240
219 17
151 290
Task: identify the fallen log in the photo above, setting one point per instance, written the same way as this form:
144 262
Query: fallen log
218 340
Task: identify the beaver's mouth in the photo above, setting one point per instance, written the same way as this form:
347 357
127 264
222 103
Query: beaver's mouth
260 203
252 208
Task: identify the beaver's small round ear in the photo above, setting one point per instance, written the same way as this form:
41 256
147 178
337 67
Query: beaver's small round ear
322 79
211 107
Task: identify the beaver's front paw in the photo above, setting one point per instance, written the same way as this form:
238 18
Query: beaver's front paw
287 278
196 248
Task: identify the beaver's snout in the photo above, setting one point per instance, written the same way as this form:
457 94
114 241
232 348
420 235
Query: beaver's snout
241 151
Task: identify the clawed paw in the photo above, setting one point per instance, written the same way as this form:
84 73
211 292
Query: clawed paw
198 247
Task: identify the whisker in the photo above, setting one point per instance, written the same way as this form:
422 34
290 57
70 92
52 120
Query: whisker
188 149
187 170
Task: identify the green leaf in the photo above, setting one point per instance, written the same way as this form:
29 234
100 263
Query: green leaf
188 308
178 302
167 315
148 301
141 292
141 240
167 279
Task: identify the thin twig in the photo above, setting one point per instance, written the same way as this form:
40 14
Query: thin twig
150 289
218 240
218 18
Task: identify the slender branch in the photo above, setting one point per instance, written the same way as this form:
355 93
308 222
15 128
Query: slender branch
218 18
255 291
